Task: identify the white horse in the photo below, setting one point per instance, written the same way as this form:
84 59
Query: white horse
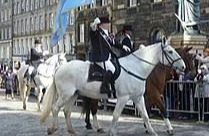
70 80
44 76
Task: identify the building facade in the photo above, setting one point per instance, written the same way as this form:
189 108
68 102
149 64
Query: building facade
31 19
34 19
5 32
150 19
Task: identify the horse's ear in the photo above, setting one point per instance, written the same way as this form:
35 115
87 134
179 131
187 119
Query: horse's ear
188 49
62 54
164 42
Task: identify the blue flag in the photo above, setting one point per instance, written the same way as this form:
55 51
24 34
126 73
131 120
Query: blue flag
60 24
74 3
62 18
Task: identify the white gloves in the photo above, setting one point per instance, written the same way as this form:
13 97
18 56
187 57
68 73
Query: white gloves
95 23
126 48
45 53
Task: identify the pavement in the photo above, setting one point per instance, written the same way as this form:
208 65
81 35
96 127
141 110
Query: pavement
18 122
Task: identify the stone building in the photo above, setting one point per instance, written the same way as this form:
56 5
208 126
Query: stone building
34 19
31 19
5 32
150 19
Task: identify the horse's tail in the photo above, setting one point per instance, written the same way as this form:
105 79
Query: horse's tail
85 104
48 101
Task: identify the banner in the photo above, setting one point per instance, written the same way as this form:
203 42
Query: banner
62 18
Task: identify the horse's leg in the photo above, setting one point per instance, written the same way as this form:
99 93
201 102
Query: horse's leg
67 113
117 112
87 103
140 105
94 108
55 110
39 97
161 105
12 93
25 92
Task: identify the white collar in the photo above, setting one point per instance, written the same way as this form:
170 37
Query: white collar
105 31
128 35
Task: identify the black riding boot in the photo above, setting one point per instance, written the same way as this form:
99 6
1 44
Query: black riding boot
105 87
28 79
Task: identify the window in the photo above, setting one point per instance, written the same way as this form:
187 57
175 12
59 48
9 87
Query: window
41 23
18 26
46 22
2 16
31 24
5 33
72 17
31 4
18 8
26 28
22 6
51 19
81 33
5 15
41 3
104 2
157 35
10 33
156 1
35 24
133 3
2 34
26 46
27 5
22 26
15 28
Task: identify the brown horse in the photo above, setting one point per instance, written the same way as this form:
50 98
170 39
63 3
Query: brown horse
154 89
155 85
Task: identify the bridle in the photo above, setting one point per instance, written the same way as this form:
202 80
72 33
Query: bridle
164 53
60 60
168 57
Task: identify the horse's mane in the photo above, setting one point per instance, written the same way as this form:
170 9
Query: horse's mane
143 49
50 59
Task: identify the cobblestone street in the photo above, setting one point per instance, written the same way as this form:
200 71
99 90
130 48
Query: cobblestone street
18 122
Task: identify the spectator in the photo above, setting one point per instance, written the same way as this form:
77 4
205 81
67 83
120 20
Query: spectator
202 87
9 84
205 58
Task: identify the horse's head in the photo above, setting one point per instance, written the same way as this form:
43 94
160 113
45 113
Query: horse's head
171 58
188 58
62 59
57 59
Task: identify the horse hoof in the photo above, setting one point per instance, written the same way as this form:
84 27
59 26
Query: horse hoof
89 127
24 107
100 130
146 131
51 131
72 132
170 132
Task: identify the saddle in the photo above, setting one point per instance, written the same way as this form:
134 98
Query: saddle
33 74
96 73
30 77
